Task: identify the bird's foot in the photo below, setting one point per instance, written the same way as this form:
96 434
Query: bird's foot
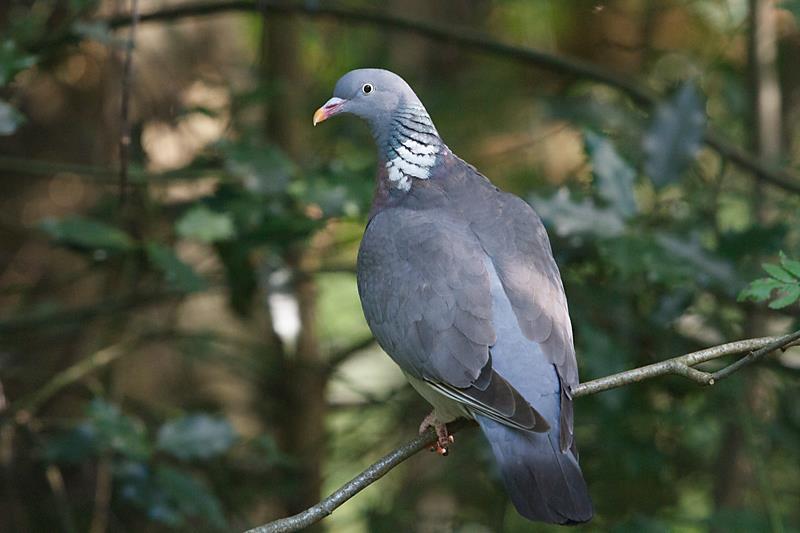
443 439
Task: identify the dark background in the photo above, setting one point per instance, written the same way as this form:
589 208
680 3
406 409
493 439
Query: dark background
191 355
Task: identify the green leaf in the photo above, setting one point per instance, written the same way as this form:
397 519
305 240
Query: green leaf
168 495
117 431
790 294
792 6
104 429
87 233
12 61
675 135
10 118
778 273
759 290
791 266
205 225
614 175
196 437
188 496
176 272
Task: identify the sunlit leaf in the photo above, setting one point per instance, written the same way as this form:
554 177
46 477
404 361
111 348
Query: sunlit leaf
674 136
205 225
196 437
614 175
87 233
790 265
778 273
176 272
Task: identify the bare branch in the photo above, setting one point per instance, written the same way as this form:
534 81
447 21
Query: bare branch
469 39
681 365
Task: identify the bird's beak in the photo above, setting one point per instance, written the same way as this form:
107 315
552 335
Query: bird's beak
331 107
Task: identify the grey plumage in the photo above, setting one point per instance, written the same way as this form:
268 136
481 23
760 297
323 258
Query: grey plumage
459 286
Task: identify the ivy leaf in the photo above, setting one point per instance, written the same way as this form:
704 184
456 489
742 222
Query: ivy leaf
10 118
791 266
674 136
87 233
778 273
196 437
203 224
614 175
176 272
790 294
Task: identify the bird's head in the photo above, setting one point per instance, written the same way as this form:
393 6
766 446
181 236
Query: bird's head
370 93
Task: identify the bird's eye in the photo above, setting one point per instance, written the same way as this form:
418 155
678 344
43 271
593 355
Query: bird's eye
367 88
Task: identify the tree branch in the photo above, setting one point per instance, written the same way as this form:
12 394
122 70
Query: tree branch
681 365
469 39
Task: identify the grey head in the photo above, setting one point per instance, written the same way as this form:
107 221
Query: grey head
408 143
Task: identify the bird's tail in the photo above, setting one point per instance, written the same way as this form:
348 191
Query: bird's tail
544 483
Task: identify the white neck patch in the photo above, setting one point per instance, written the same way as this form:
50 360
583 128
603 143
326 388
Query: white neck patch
412 159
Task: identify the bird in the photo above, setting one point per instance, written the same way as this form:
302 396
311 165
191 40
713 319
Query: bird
459 286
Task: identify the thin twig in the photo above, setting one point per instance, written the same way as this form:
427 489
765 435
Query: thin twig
469 39
127 77
25 407
681 365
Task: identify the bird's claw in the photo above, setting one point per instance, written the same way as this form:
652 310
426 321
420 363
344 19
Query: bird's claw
443 439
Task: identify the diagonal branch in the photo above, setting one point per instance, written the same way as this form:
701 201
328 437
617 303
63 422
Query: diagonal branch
470 39
682 365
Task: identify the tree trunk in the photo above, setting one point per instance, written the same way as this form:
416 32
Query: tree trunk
303 419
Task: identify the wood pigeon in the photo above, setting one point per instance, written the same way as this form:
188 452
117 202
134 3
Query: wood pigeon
459 286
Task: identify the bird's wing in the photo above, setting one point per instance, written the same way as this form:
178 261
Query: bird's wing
426 295
515 239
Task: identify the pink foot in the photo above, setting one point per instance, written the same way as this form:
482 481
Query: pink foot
443 439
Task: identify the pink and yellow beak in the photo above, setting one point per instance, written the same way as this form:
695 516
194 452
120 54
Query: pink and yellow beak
331 107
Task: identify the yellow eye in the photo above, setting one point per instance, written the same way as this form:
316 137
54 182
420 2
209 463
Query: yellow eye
367 88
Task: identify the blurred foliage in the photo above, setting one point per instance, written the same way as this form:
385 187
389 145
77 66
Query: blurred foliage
184 336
